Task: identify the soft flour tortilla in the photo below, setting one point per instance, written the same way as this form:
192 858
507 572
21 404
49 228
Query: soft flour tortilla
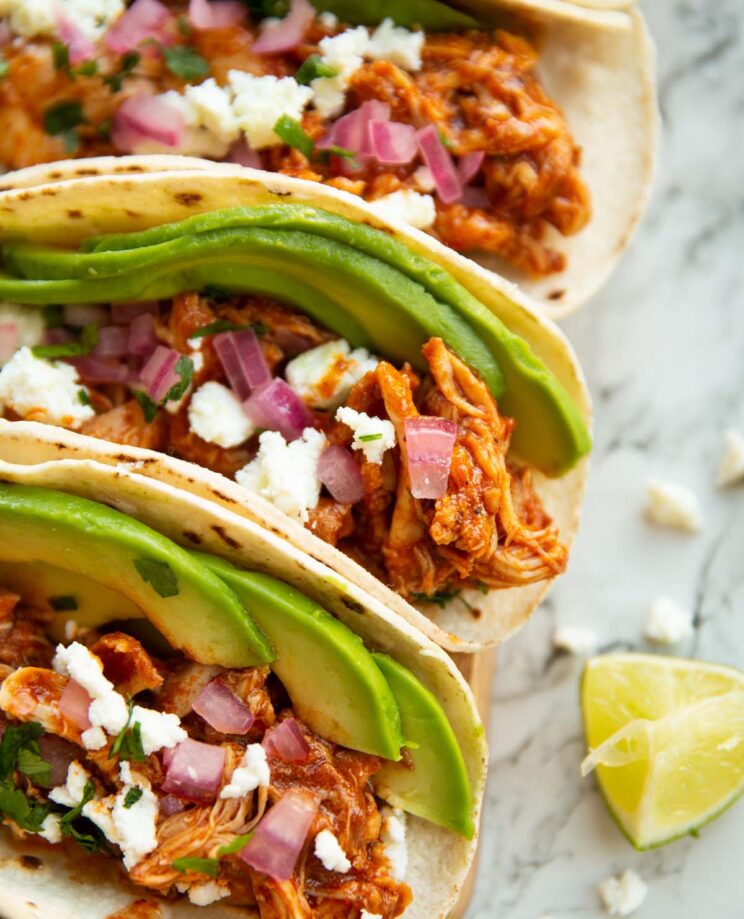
123 203
597 62
439 860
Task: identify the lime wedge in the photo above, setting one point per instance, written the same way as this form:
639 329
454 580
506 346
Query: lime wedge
666 737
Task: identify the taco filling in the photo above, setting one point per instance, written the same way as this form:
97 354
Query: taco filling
205 781
444 125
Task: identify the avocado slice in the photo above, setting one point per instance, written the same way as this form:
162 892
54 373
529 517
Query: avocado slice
195 611
438 787
429 14
329 675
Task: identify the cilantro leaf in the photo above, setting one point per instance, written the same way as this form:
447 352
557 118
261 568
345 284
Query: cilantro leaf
16 738
130 748
185 62
218 294
84 396
159 575
148 406
92 841
88 341
185 370
63 117
128 62
441 598
61 56
17 807
224 325
236 845
314 67
132 796
366 438
208 866
33 764
291 132
4 67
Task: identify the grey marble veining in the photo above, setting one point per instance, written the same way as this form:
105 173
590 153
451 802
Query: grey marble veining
663 349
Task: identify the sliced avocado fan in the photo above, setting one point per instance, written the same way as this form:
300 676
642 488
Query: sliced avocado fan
429 14
356 280
195 610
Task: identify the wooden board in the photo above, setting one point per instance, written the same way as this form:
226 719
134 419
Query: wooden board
478 671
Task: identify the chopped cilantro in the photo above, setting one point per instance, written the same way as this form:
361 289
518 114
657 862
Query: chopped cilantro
366 438
63 604
86 69
483 588
130 745
84 397
88 341
236 845
149 408
128 62
17 807
62 117
4 67
446 142
70 140
53 316
218 294
17 737
185 370
104 129
219 325
61 56
208 866
132 797
312 68
159 575
325 154
33 764
91 841
184 26
291 132
441 598
185 62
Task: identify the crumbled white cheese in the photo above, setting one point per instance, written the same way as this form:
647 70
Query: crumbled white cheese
323 376
93 739
407 206
207 892
397 45
731 467
72 630
575 639
365 426
99 811
216 415
259 102
42 391
197 139
252 773
158 730
330 853
673 505
28 322
71 793
30 18
108 709
393 837
51 828
424 179
329 20
345 53
286 474
622 895
668 623
210 107
366 915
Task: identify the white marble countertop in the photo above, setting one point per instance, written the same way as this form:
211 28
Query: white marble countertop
663 349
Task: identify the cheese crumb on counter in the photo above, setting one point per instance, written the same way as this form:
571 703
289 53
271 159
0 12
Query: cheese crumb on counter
731 467
39 390
216 415
575 639
623 895
668 623
330 853
373 436
673 505
407 206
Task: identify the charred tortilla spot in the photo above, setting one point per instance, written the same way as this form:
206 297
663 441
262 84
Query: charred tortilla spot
556 294
86 172
353 606
55 175
129 169
31 862
131 213
74 214
50 192
188 198
195 538
225 537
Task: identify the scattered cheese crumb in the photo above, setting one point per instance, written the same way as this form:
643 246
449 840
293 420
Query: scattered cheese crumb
71 793
345 53
28 323
108 709
259 102
668 623
323 376
329 20
407 206
622 895
39 390
731 467
424 179
286 474
216 415
397 45
158 730
51 828
394 839
252 773
330 853
30 18
366 915
93 739
380 432
575 639
207 892
673 505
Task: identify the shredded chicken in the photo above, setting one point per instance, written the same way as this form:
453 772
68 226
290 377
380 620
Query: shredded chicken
126 663
33 694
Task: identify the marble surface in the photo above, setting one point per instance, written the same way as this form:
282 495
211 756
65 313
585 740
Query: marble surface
663 349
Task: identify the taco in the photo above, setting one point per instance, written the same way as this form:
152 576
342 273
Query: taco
388 406
504 130
223 721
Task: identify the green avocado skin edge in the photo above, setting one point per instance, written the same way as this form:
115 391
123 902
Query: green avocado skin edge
354 279
429 14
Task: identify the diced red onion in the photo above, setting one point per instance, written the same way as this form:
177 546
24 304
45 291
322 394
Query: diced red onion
113 341
279 838
80 47
159 375
287 34
429 445
101 370
74 704
442 168
475 196
145 118
195 771
82 314
144 19
124 313
170 804
243 155
219 14
222 709
8 341
277 407
59 753
142 339
242 360
6 33
287 741
340 474
393 143
167 756
469 165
